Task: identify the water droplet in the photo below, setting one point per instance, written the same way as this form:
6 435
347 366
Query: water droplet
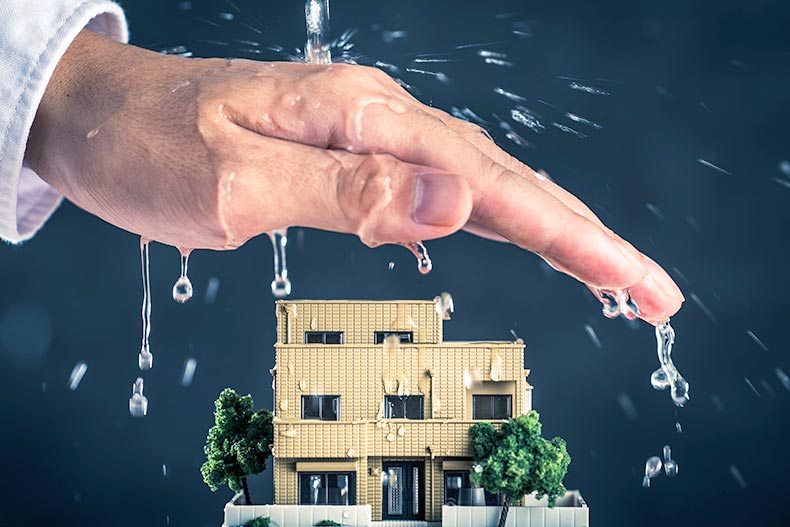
424 263
145 359
670 466
444 305
212 288
138 403
77 373
652 469
391 266
678 427
281 285
189 372
182 290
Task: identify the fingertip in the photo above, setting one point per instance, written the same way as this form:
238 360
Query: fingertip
441 200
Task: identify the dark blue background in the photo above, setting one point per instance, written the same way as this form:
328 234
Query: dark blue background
688 80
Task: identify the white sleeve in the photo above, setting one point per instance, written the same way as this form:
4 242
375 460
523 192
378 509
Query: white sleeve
34 35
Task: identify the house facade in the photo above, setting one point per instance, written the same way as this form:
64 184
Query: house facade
372 406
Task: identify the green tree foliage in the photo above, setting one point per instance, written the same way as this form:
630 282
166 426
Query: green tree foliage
260 521
238 444
516 460
327 523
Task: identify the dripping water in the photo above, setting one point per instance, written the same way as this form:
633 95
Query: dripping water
138 403
424 263
667 375
145 360
316 48
182 290
281 285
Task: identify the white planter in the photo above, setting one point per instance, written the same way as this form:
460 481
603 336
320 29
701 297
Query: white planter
297 515
570 511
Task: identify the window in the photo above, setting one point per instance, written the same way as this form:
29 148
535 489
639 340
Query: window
458 490
321 407
327 488
323 337
491 406
407 407
404 336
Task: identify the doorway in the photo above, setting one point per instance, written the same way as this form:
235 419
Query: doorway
403 489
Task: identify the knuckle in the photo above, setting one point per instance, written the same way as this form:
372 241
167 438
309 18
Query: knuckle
366 190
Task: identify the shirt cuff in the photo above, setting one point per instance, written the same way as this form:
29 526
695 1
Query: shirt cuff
26 201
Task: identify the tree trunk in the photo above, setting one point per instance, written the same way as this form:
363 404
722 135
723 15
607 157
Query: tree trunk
246 490
505 508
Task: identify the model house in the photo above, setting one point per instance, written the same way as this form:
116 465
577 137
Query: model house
364 421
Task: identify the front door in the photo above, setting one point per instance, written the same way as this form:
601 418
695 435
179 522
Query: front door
403 487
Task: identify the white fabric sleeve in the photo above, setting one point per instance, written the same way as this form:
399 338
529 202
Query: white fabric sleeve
34 35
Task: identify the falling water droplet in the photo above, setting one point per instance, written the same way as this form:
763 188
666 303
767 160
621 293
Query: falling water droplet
670 466
189 372
652 469
678 427
182 290
667 375
424 263
77 373
145 359
138 403
281 285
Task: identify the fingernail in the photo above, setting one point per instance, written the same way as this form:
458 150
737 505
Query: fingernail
662 280
436 197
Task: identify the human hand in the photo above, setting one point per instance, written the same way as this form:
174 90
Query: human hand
207 153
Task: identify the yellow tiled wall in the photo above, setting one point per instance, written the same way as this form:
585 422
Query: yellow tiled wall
357 319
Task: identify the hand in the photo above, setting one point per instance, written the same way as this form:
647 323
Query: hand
207 153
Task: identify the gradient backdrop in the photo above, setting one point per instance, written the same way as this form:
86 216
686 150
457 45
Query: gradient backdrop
687 80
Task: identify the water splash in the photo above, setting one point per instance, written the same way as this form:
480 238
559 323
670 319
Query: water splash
588 89
652 469
281 285
424 263
316 49
212 288
138 403
714 167
444 305
578 119
145 359
593 335
527 118
182 290
667 375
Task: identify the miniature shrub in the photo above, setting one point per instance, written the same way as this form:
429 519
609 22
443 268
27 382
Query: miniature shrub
327 523
260 521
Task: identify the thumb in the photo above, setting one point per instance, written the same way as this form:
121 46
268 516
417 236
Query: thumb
377 197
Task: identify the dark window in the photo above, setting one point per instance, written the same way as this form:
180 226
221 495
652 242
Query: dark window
327 488
491 406
458 490
323 337
321 407
408 407
404 336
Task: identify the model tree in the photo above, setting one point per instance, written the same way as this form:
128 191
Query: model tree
516 460
238 444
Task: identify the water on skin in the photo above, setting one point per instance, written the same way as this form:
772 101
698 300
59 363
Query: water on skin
145 359
182 290
281 285
652 469
138 403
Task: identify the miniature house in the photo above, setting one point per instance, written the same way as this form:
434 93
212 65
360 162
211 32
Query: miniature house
373 411
357 425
